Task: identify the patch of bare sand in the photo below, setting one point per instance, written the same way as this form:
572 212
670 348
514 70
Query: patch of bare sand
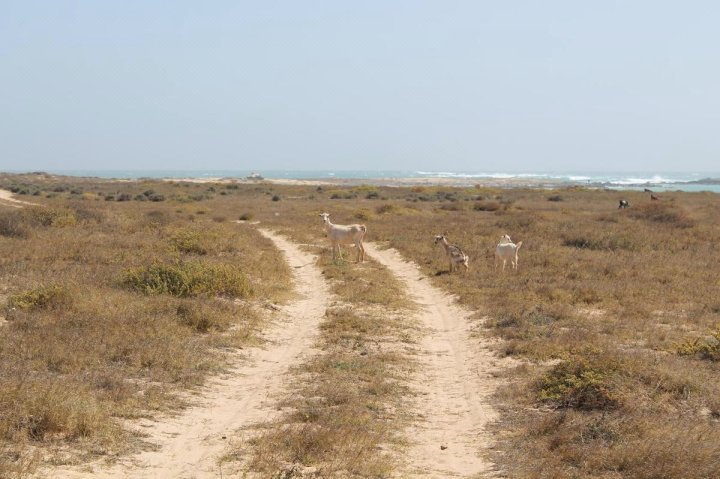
454 382
190 444
6 198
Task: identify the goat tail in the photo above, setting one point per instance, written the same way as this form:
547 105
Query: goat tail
518 245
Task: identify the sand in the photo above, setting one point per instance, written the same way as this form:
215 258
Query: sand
6 199
450 437
453 382
190 445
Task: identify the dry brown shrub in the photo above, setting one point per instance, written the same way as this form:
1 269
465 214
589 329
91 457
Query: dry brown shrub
664 213
386 208
487 206
454 206
577 384
77 353
12 225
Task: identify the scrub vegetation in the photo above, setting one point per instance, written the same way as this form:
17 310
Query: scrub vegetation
613 315
347 405
109 310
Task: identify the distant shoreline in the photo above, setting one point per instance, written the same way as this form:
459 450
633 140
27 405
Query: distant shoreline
627 181
390 182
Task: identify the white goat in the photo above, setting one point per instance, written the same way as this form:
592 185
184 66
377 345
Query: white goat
455 255
342 234
507 250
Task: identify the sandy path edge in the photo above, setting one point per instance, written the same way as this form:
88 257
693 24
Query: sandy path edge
6 195
190 444
454 382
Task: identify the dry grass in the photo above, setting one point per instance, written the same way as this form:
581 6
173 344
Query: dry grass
613 313
80 348
600 309
347 401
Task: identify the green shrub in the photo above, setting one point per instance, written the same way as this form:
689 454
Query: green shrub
50 217
50 297
703 348
185 279
190 242
246 217
578 385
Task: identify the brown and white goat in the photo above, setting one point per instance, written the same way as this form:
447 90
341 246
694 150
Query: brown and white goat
455 255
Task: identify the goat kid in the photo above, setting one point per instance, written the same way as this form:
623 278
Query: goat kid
455 255
345 234
507 250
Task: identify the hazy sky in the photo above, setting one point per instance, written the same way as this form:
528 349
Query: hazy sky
444 85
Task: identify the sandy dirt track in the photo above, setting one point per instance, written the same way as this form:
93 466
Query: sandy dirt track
454 382
189 445
6 199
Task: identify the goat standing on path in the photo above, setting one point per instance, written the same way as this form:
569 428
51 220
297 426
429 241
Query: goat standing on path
507 250
342 234
454 253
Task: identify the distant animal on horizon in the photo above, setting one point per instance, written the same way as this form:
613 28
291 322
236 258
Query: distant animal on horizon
647 190
455 255
654 197
507 250
624 204
345 234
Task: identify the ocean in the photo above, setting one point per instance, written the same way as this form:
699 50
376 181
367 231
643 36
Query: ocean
683 181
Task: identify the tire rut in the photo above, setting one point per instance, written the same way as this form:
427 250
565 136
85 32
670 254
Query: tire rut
190 444
454 382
